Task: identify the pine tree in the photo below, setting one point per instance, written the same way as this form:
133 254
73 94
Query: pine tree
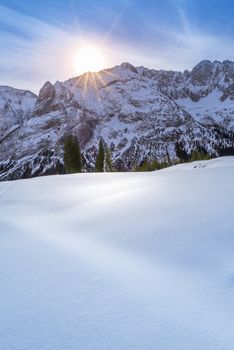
108 162
181 152
72 155
99 165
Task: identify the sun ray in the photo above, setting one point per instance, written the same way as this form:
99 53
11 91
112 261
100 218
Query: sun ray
86 79
98 75
95 85
77 23
99 99
115 21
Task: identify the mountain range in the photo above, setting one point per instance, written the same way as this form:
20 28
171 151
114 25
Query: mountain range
139 113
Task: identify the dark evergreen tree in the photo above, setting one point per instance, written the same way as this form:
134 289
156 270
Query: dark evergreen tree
99 165
226 151
72 155
181 152
119 165
168 159
108 162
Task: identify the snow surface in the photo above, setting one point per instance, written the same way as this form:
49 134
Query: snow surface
139 261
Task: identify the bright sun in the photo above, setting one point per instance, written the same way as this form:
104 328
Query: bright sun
89 59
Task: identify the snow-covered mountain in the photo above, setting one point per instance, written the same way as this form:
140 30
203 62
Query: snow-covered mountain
139 113
133 261
207 92
15 108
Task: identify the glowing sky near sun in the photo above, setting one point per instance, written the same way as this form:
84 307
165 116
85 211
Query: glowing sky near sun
49 39
89 59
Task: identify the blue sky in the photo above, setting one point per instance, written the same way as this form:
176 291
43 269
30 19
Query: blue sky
39 38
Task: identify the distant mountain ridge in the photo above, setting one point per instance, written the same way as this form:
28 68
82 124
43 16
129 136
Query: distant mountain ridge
139 113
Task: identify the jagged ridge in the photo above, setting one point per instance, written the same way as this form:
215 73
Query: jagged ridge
138 112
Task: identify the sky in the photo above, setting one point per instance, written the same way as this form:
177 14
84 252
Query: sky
39 40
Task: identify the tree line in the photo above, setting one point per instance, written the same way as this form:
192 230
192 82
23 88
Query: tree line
73 160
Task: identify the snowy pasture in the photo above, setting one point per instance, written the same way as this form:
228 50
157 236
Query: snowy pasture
137 261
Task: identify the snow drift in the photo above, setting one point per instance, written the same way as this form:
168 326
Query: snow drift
119 261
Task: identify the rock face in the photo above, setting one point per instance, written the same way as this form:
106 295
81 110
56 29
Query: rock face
138 112
207 92
15 107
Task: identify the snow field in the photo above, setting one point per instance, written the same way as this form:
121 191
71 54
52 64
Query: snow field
119 261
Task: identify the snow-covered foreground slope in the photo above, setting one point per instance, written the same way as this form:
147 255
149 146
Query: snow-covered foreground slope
119 261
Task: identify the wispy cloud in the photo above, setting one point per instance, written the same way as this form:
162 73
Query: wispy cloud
191 44
182 46
33 51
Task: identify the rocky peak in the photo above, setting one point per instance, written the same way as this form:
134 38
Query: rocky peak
204 78
52 98
62 93
228 70
202 73
129 66
45 99
46 92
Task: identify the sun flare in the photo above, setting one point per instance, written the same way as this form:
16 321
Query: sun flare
89 59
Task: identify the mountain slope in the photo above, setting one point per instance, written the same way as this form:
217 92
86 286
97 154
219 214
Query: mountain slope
207 92
16 106
119 261
139 113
